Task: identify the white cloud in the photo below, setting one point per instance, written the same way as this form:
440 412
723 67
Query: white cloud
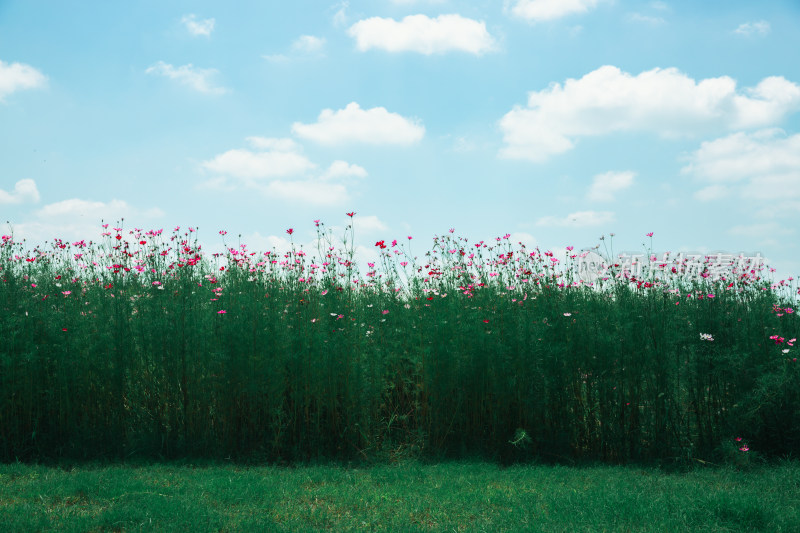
198 27
579 219
24 191
712 193
661 101
276 168
340 17
313 192
766 164
308 44
283 144
368 224
419 33
248 165
353 124
76 218
343 169
198 79
764 234
18 76
276 58
605 185
760 27
303 46
537 10
525 238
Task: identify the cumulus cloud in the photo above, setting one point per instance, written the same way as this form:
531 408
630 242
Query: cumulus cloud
281 144
24 191
198 79
662 101
343 169
605 185
760 27
76 218
353 124
419 33
578 219
712 193
302 47
248 165
369 224
275 168
308 44
313 192
524 238
764 165
539 10
18 76
198 27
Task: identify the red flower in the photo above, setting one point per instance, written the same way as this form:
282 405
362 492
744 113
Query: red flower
351 214
382 244
290 231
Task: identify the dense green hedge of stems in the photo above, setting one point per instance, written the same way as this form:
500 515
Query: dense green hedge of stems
122 349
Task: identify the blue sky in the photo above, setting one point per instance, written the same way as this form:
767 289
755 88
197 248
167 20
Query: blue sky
556 121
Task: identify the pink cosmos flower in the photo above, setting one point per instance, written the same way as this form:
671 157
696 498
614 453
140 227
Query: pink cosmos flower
221 312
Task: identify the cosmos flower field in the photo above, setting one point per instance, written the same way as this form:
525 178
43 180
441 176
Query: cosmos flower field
142 345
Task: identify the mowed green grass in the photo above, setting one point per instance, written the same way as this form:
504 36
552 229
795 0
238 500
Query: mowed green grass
402 497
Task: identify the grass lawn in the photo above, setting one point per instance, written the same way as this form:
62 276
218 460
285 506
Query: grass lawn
409 496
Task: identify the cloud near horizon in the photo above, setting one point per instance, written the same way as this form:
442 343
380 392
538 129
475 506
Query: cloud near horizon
276 168
664 102
762 166
24 191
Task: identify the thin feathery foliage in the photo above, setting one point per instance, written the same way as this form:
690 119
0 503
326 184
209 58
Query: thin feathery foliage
143 346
